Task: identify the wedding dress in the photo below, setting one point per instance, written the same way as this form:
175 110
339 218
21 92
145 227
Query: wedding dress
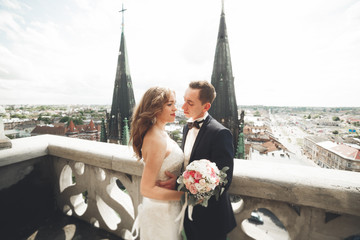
157 217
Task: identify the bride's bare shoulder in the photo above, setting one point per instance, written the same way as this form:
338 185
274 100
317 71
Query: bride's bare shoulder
154 139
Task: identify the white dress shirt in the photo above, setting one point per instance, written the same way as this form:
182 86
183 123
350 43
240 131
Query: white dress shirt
190 139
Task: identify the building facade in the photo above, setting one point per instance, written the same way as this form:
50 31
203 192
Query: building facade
333 155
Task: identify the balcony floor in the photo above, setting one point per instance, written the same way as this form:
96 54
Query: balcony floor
62 227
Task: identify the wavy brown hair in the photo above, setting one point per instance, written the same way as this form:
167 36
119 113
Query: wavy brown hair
144 115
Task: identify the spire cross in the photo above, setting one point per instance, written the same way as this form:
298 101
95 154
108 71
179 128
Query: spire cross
122 11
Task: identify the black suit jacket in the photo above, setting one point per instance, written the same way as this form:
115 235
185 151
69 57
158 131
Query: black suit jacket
215 143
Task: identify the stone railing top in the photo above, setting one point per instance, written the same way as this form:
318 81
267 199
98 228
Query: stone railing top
329 189
110 156
24 149
332 190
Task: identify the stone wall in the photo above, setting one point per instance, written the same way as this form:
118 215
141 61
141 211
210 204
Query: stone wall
85 176
26 196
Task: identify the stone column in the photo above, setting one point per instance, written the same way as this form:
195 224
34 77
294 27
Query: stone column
4 141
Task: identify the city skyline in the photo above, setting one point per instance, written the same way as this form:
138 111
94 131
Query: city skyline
298 53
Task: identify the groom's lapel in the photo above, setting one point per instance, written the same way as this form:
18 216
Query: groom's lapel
186 130
198 138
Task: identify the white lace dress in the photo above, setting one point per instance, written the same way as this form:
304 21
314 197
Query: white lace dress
156 217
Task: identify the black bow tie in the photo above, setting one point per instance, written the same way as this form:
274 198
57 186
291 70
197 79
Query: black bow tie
195 124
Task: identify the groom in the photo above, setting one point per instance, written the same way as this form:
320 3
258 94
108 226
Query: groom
205 138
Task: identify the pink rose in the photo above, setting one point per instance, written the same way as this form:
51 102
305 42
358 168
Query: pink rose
186 174
193 189
197 175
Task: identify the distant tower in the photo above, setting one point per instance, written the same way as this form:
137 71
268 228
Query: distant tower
240 149
224 108
92 132
126 134
123 98
103 136
71 130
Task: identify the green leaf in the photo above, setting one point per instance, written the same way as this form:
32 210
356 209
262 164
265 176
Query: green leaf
192 200
224 169
217 195
182 199
222 190
181 185
205 202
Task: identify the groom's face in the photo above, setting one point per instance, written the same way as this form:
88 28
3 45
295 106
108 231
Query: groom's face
193 108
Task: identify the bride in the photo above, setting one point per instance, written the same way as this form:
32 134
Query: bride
159 153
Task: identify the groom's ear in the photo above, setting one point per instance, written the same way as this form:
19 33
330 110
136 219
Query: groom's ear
207 106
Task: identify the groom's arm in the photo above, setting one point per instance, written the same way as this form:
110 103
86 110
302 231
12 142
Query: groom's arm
222 152
170 183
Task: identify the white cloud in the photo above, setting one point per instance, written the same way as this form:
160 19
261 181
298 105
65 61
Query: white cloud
11 4
283 52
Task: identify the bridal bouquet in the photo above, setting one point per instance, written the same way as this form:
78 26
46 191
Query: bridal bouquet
200 181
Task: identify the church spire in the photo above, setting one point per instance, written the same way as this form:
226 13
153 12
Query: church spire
123 97
224 107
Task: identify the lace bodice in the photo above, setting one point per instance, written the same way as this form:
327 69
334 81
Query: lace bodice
173 162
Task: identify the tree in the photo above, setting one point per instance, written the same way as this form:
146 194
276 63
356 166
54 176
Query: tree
21 116
46 120
335 132
257 114
335 118
65 119
78 121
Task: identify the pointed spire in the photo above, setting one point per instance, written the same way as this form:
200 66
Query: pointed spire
91 127
125 134
123 97
224 107
71 129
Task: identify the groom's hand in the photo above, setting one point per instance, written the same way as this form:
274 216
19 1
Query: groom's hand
170 183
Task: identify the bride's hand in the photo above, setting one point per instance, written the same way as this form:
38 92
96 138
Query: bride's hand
170 183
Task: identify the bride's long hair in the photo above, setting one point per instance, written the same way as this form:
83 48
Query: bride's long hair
144 115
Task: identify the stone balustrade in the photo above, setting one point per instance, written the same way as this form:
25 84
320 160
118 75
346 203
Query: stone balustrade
308 202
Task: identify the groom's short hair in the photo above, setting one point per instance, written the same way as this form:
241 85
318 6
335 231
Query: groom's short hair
207 91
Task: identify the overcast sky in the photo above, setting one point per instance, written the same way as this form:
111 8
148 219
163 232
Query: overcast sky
283 52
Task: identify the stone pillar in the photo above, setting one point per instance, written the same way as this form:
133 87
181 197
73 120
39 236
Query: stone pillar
4 141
